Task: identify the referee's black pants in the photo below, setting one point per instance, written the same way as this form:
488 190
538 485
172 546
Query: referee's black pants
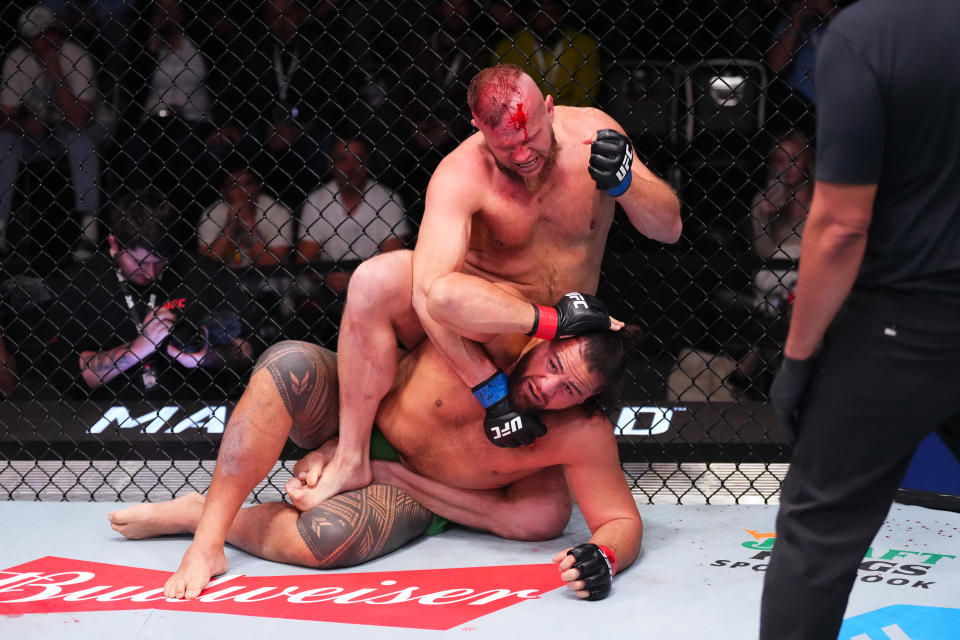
888 375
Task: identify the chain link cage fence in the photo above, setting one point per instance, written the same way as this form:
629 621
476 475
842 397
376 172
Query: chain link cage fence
230 162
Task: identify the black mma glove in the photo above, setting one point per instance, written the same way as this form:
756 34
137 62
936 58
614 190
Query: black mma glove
504 426
597 566
787 392
611 157
576 313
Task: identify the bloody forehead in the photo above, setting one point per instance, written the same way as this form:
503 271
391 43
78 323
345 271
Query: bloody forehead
498 98
518 118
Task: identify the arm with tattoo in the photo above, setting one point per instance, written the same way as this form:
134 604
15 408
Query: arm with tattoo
100 367
97 368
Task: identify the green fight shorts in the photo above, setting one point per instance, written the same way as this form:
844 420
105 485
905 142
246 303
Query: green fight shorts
381 449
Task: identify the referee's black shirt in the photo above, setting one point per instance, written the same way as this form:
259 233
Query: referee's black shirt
887 116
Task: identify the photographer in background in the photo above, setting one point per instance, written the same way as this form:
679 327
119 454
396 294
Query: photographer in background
148 319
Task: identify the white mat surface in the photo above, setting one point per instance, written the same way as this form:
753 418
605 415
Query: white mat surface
699 576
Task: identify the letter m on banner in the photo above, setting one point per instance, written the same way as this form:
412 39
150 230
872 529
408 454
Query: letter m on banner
154 420
211 419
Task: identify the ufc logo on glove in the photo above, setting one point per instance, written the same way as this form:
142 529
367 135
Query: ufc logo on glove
578 300
508 427
625 165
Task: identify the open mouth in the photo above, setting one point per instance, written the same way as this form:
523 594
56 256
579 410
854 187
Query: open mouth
533 393
526 166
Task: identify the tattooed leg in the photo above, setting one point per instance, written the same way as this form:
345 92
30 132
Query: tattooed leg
306 376
361 525
288 386
346 530
266 530
269 531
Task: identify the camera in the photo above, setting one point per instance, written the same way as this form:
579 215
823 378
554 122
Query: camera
23 293
220 327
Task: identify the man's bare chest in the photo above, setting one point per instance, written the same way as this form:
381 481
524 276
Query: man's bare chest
566 216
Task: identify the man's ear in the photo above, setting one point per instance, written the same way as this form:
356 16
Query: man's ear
548 104
114 246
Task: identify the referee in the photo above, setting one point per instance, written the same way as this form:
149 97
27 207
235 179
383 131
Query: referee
872 360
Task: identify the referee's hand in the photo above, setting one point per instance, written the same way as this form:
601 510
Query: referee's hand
787 393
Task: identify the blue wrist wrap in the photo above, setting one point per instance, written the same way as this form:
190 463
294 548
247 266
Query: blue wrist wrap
493 390
621 188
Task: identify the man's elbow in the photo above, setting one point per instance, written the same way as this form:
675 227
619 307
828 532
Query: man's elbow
839 236
91 380
676 223
672 226
536 524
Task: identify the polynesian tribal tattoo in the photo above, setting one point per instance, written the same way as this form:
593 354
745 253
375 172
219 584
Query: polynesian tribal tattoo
361 525
306 377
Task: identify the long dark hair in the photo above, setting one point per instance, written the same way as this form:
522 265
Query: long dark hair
606 354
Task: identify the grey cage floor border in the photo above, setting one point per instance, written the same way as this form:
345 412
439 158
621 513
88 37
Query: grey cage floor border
716 483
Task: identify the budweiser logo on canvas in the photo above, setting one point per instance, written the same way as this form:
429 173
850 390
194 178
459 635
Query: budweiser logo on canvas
425 599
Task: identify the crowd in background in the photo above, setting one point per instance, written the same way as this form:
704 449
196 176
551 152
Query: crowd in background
281 142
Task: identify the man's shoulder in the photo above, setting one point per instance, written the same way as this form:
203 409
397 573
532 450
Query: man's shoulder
72 49
471 163
472 149
324 194
216 211
377 189
380 195
272 206
576 422
578 434
189 48
577 121
95 268
862 23
17 55
87 282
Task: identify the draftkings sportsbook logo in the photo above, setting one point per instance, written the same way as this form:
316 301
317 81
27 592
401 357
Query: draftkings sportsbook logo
894 567
424 599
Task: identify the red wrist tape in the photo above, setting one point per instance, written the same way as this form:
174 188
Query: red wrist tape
610 558
545 324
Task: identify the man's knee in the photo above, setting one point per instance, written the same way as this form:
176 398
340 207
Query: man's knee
444 298
305 376
383 283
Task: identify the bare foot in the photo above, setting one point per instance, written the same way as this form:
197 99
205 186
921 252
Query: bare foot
158 519
310 467
337 477
199 564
